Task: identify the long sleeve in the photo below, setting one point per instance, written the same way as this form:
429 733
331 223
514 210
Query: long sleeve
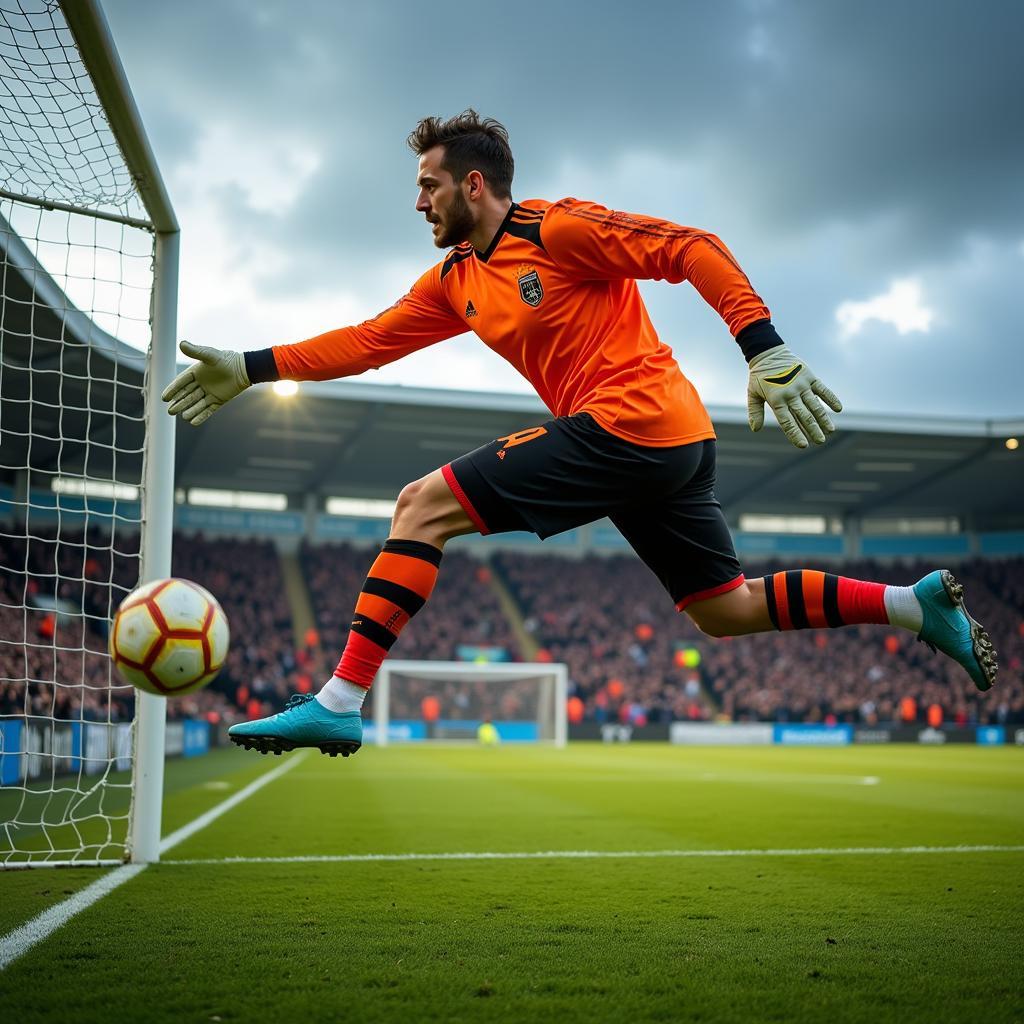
597 243
420 318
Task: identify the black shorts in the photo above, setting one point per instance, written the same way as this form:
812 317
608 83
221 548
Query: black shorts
570 471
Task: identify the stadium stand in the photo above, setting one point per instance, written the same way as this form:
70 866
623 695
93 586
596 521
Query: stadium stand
631 656
55 601
76 582
608 619
610 622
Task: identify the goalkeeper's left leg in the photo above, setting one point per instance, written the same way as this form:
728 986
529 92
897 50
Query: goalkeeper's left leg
933 608
685 540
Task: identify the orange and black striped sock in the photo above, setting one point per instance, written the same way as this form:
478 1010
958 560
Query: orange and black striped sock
399 583
807 599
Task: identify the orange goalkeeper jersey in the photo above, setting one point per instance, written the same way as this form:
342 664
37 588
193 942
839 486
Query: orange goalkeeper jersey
555 294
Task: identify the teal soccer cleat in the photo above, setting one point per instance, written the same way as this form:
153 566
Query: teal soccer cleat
948 627
305 722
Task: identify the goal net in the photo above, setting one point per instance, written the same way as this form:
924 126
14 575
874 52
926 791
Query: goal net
424 701
78 251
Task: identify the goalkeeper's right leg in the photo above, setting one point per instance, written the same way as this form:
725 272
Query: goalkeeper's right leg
399 583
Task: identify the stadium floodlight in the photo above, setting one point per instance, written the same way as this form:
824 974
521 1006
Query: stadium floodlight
89 244
424 701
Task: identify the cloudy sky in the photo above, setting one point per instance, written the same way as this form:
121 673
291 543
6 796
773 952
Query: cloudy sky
864 161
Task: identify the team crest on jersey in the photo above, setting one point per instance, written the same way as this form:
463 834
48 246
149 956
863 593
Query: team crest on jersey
531 291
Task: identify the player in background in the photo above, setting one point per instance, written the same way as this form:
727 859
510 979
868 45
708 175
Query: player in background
552 288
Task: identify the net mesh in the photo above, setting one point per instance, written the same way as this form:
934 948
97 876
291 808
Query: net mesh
57 143
74 289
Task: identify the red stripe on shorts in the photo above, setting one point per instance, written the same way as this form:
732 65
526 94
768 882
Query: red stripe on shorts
462 498
703 595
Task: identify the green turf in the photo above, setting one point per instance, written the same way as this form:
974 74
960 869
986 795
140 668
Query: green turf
192 786
876 937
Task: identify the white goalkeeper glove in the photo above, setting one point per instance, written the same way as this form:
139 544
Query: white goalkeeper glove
795 395
198 392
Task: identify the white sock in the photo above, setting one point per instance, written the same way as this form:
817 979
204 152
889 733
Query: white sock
903 608
339 695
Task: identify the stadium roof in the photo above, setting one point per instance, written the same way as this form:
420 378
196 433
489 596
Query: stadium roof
358 439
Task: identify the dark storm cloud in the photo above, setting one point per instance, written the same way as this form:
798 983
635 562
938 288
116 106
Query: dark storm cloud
819 109
874 139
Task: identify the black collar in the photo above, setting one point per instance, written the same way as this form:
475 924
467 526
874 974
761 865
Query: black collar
486 255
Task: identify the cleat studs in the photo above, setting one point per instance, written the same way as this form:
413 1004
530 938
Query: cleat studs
954 590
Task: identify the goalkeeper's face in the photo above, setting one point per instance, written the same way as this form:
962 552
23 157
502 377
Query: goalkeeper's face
443 202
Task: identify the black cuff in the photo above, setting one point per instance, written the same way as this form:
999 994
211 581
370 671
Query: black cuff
756 338
260 366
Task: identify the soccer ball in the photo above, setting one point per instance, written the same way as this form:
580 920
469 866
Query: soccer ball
169 637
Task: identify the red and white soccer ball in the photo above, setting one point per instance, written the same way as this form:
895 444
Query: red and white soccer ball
169 637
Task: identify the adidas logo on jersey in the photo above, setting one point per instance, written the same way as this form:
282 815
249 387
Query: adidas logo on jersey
470 309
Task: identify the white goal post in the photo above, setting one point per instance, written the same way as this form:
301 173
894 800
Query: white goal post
525 702
87 233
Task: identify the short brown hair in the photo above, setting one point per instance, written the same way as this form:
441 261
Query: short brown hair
471 143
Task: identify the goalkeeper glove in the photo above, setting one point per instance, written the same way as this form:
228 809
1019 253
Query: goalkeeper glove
198 392
795 395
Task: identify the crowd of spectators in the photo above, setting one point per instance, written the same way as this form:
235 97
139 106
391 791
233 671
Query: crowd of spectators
609 620
57 597
631 656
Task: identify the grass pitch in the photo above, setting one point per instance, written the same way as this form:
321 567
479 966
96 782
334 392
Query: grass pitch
706 936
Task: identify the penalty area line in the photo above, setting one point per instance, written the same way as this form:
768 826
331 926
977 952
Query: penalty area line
18 942
824 851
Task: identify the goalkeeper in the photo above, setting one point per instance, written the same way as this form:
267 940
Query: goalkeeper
552 288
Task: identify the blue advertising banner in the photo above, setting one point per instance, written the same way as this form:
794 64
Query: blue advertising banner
481 653
237 520
398 731
788 543
991 735
10 753
812 735
508 732
196 738
82 510
1002 543
905 545
328 527
415 731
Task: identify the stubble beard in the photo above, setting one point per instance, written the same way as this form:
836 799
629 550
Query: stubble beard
458 224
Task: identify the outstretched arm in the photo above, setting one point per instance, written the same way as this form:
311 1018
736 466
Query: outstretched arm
597 243
420 318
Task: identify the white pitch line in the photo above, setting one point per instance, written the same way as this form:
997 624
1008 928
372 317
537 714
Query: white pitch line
21 940
824 851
